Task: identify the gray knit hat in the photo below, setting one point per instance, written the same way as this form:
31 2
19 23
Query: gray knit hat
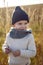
18 15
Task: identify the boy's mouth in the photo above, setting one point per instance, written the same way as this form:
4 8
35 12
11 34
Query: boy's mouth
22 29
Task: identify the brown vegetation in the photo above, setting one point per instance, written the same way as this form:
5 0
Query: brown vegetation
35 13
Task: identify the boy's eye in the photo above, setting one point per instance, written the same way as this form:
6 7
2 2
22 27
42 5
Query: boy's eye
25 23
20 23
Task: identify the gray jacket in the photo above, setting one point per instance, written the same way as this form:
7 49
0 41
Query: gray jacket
26 45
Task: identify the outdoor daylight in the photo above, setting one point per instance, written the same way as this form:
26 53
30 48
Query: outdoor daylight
9 16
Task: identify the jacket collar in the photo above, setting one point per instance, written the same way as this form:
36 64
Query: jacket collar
14 33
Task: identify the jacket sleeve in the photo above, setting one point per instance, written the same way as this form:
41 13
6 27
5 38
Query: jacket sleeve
5 45
31 51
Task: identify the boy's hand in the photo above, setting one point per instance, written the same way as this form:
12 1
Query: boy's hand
16 53
7 50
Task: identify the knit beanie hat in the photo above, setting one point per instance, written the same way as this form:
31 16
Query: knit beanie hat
18 15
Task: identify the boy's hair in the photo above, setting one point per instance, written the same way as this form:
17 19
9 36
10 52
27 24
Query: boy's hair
18 15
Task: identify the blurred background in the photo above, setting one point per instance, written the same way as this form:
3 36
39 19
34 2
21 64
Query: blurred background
35 13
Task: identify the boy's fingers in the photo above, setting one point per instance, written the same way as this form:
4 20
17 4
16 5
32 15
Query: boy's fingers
17 53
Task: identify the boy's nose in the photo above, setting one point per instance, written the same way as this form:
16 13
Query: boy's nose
23 27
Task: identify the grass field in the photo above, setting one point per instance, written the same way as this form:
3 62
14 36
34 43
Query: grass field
36 23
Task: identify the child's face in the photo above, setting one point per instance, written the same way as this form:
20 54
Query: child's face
21 25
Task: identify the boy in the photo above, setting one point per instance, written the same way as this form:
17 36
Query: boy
19 43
